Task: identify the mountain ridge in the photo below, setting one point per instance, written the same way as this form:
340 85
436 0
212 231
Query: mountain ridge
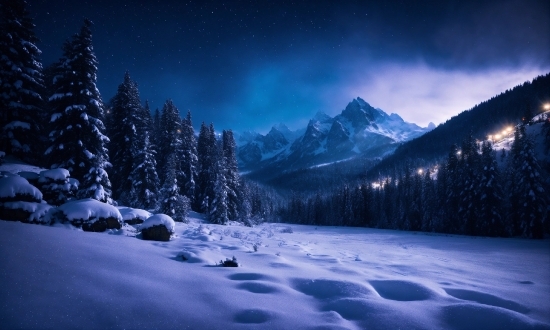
359 130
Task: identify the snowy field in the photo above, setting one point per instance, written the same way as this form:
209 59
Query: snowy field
300 277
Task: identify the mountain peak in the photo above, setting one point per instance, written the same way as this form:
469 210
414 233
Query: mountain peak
321 116
362 102
395 116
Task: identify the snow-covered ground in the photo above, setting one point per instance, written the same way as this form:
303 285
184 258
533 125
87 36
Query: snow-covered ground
290 277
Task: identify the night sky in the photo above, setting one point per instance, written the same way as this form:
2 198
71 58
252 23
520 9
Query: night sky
247 65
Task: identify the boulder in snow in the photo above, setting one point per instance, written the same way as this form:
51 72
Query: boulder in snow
133 216
27 212
32 177
15 188
158 227
90 214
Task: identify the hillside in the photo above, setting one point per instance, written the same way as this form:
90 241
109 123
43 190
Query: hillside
504 110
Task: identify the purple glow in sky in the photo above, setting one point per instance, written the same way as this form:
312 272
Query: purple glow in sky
420 94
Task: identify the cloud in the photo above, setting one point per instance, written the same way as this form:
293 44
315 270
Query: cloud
423 94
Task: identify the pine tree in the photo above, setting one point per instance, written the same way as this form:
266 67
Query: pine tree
189 159
77 140
468 184
528 188
169 139
219 211
145 182
21 82
512 197
171 202
156 132
450 220
490 192
429 203
207 158
126 136
231 174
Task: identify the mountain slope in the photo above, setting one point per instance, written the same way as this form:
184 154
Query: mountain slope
359 130
503 110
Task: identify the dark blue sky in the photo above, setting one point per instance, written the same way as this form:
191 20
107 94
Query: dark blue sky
251 64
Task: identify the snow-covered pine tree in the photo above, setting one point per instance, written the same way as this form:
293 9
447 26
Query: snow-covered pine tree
188 159
171 202
156 132
450 221
513 220
232 178
469 165
126 136
528 188
21 82
207 157
417 207
490 191
219 211
146 121
145 182
77 140
169 139
429 200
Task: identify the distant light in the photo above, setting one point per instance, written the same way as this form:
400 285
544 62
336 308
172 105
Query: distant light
490 137
509 129
458 152
546 106
420 171
504 132
498 136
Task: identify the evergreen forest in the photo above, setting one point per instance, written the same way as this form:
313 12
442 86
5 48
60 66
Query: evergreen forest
123 152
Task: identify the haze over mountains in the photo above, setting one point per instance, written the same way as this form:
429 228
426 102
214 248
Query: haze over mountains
359 130
366 143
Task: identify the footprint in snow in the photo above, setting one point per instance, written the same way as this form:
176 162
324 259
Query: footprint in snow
487 299
401 290
253 316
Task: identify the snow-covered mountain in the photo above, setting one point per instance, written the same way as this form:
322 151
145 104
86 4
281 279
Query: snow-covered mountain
359 129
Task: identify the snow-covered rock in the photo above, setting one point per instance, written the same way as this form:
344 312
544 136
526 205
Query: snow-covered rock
133 216
90 214
29 212
16 188
32 177
57 174
158 227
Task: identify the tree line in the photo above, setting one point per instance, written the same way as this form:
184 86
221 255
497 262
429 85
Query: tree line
473 192
55 117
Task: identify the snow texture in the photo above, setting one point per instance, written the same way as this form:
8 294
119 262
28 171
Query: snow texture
309 278
38 210
129 213
58 174
159 219
89 210
12 186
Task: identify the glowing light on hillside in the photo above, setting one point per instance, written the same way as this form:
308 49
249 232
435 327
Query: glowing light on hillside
546 106
509 128
498 136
